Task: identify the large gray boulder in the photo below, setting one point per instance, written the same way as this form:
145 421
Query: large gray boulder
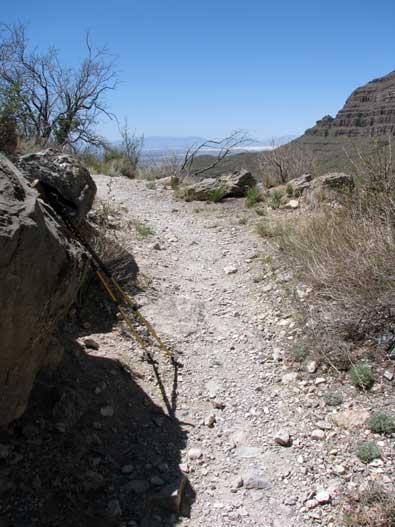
41 271
232 185
66 174
329 188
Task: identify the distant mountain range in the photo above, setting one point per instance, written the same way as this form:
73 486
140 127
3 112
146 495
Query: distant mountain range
156 148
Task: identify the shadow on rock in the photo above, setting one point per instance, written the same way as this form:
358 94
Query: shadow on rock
92 450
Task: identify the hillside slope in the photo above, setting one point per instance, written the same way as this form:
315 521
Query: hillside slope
368 113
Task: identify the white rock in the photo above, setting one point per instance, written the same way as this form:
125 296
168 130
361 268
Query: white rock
320 380
311 366
292 204
210 420
289 378
230 269
195 453
318 435
283 438
323 497
389 375
278 354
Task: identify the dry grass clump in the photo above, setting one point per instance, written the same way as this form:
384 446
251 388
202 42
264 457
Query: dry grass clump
373 507
347 253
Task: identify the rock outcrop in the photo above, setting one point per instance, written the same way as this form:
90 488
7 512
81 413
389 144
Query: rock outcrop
232 185
64 173
368 112
328 189
41 271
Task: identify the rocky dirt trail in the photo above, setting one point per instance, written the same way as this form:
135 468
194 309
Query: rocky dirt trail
260 447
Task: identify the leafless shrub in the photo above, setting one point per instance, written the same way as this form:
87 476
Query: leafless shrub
224 148
54 103
286 162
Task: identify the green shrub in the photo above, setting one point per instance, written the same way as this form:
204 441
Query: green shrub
381 423
260 211
217 194
143 230
362 376
253 196
289 190
243 221
333 399
297 352
275 199
151 185
367 452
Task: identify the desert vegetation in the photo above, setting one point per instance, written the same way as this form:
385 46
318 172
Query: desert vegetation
346 251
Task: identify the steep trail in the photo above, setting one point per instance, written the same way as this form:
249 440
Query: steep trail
214 293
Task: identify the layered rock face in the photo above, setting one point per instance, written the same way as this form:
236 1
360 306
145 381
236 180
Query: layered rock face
41 270
368 112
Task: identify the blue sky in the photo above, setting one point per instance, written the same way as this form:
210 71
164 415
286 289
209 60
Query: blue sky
209 67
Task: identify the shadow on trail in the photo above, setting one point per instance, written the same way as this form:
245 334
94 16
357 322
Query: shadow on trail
92 450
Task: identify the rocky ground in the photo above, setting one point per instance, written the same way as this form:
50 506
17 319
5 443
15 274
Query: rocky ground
261 441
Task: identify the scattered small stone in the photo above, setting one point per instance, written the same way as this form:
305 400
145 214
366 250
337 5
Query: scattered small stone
389 375
318 435
210 420
339 470
311 366
324 425
107 411
60 427
156 246
4 451
157 481
114 508
323 497
255 480
278 354
195 453
219 405
36 483
283 438
230 269
91 344
139 486
237 483
92 480
127 469
289 378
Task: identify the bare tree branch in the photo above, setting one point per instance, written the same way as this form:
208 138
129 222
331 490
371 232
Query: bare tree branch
57 103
